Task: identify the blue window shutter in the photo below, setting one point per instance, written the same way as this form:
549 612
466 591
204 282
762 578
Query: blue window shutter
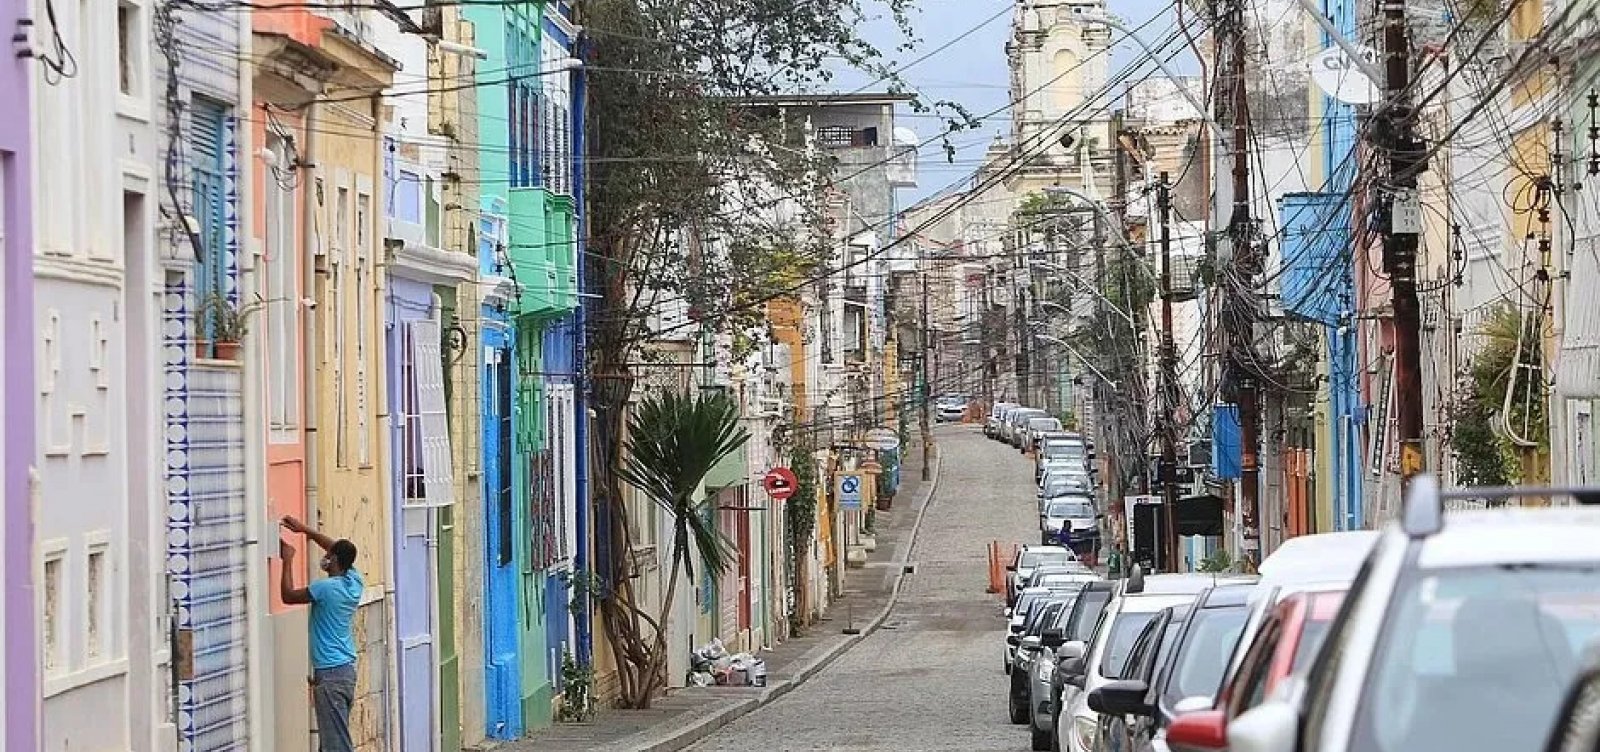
206 126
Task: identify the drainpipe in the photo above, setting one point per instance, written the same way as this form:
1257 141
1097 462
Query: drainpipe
584 637
308 326
380 270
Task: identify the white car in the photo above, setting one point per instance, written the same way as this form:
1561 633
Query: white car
1461 634
1102 659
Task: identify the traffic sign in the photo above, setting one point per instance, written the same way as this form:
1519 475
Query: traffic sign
780 483
850 491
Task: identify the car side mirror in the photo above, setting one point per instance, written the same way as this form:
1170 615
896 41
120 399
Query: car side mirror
1013 640
1072 667
1052 638
1070 650
1011 567
1266 727
1031 643
1121 697
1203 730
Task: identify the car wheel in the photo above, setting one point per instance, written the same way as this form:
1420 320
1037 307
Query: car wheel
1019 712
1041 740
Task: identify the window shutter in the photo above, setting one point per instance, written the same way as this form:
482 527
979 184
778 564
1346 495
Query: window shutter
205 147
432 419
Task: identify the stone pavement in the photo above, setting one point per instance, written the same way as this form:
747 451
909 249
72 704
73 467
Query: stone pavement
931 678
687 715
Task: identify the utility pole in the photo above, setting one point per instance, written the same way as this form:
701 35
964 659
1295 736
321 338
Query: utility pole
1247 263
1400 241
922 369
1169 388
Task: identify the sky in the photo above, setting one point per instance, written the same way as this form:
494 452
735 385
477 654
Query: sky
973 71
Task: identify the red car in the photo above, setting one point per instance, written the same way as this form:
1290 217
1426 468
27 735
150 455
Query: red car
1283 647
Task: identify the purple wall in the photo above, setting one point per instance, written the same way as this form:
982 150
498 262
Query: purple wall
19 713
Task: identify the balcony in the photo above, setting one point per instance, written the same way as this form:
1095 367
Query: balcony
543 251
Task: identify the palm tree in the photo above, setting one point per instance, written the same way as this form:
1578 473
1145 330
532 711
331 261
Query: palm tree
674 441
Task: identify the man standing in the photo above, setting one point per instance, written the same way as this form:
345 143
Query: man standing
333 602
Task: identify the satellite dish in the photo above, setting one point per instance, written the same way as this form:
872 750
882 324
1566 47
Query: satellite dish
1338 77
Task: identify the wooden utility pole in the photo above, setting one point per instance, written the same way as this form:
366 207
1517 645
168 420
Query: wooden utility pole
1400 239
1169 389
1247 264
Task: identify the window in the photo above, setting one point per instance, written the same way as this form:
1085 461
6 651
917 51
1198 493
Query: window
283 296
51 633
208 195
363 220
341 237
130 52
96 605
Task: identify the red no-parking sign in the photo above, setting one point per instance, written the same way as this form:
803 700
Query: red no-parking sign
780 483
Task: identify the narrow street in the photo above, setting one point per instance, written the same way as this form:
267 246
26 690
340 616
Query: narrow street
930 679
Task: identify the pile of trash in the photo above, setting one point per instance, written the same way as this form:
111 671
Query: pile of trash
711 664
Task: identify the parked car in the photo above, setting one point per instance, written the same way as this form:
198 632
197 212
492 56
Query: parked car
1018 616
1103 659
950 412
1064 517
997 417
1061 449
1187 677
1117 701
1028 559
1077 630
1030 650
1017 422
1064 482
1029 438
1462 633
1287 641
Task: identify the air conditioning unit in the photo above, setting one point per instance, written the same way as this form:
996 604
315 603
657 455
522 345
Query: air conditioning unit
771 408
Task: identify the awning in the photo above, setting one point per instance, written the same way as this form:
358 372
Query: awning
1200 515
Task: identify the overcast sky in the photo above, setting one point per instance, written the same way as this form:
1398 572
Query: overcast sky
973 72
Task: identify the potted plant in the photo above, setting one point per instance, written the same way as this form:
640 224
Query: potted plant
220 323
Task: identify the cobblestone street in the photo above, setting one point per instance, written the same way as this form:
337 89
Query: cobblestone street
930 679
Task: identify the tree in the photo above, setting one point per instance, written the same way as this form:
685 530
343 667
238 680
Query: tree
1485 454
674 441
697 190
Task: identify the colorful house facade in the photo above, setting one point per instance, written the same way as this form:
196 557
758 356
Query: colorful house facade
528 262
19 659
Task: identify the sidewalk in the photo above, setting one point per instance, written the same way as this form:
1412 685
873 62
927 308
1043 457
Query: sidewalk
684 716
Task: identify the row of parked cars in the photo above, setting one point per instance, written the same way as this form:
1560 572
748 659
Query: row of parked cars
1063 468
1460 631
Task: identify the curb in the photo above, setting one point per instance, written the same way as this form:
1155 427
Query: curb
700 728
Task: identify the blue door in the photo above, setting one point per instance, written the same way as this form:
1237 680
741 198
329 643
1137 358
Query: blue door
503 684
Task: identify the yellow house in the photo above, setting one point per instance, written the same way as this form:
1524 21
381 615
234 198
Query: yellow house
351 448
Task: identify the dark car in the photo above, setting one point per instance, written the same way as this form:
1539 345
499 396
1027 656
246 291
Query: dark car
1192 670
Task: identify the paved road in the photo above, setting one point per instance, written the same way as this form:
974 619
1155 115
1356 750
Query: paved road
930 679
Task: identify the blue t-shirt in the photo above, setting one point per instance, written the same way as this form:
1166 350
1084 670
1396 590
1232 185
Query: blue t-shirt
333 608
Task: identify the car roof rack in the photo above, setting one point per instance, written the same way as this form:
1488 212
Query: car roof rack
1424 509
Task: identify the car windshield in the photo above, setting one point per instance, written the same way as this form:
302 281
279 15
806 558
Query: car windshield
1036 559
1024 603
1477 657
1201 660
1067 449
1088 610
1070 508
1311 637
1058 483
1124 631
